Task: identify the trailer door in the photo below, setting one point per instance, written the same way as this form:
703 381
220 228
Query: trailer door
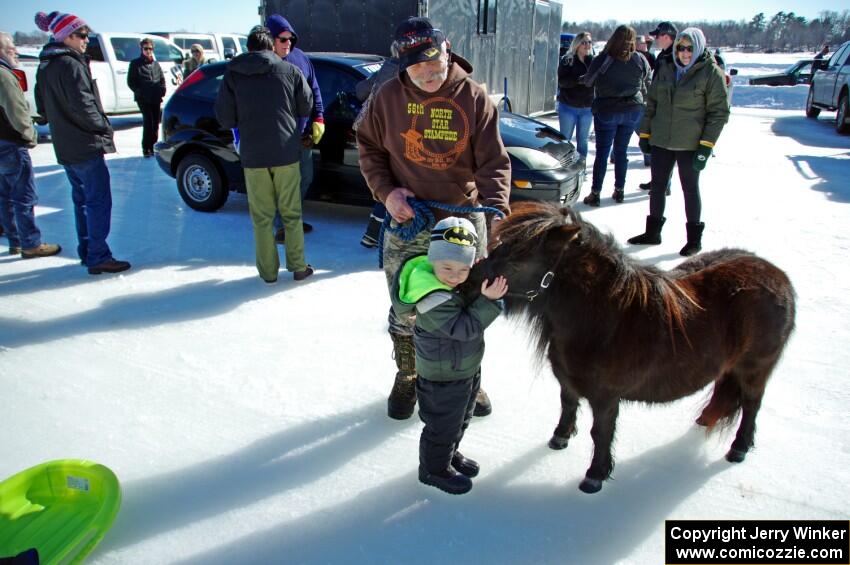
538 70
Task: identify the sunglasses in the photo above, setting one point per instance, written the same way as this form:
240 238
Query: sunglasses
283 39
196 52
82 35
147 48
688 48
585 43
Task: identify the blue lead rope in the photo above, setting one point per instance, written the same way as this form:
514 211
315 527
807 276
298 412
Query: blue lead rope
423 219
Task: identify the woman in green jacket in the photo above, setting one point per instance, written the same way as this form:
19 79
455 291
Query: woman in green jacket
686 110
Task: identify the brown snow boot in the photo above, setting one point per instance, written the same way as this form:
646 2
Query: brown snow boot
402 399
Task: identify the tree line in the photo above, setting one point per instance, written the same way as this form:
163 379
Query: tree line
784 31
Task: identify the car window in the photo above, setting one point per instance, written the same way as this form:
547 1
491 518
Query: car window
243 42
94 49
805 68
126 48
206 89
228 43
207 44
163 51
333 80
841 55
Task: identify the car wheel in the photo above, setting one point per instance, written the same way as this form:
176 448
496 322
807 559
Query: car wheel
841 125
812 111
200 184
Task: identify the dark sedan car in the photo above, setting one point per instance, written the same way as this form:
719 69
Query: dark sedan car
798 73
200 154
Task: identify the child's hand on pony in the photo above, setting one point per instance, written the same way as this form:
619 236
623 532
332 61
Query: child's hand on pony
497 289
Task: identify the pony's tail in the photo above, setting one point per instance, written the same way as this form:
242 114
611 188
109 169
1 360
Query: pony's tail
725 404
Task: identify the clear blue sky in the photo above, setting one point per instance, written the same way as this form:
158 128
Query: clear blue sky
240 15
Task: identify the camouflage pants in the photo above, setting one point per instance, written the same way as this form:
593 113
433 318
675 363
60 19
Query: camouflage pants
397 251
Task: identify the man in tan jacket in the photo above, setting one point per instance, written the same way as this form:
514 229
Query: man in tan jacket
430 133
17 182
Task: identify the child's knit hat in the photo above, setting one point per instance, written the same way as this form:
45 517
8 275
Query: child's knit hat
453 239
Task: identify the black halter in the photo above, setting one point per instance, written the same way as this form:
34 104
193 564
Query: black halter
545 281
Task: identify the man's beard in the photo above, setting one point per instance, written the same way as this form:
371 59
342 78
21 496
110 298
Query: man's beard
440 76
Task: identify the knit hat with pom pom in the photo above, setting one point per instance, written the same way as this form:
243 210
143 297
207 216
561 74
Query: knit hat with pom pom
59 24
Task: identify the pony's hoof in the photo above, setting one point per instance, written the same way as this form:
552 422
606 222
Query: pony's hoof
736 456
558 442
590 486
702 421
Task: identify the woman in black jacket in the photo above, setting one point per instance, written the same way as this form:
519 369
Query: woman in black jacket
620 77
146 80
574 98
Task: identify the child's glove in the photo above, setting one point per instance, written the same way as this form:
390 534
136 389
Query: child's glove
702 154
644 145
318 130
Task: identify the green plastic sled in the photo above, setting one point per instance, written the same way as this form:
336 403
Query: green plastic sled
62 508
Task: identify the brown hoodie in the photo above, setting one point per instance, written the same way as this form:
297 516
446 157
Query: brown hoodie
443 146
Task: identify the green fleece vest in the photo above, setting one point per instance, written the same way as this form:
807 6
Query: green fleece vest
449 334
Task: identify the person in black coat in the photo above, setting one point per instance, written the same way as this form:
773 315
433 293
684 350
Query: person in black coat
574 98
67 95
146 80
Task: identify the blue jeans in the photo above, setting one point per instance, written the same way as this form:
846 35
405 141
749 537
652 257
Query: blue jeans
92 196
578 119
613 129
17 196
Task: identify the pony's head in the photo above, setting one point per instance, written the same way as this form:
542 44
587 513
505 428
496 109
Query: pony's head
529 247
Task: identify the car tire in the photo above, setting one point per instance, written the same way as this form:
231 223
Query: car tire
201 184
812 111
843 114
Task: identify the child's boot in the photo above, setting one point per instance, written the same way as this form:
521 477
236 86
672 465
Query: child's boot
448 480
465 466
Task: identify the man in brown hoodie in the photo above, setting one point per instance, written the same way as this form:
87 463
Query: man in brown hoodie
431 133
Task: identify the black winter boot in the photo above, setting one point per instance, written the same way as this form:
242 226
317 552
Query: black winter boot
652 235
592 199
402 398
465 466
449 481
373 230
618 195
694 239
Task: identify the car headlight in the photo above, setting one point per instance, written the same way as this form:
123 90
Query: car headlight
534 159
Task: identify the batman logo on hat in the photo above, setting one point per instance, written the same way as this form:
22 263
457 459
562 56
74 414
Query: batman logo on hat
458 235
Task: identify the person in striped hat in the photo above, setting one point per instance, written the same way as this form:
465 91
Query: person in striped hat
67 95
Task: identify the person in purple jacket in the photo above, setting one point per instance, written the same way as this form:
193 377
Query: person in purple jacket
312 127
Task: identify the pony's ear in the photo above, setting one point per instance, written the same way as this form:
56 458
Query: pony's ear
568 233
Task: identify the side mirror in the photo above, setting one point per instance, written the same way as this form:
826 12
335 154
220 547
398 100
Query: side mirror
733 72
229 53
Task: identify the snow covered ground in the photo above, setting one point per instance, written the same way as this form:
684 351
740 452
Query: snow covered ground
247 422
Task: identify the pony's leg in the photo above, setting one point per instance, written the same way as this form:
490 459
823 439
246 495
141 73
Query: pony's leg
567 424
744 439
605 412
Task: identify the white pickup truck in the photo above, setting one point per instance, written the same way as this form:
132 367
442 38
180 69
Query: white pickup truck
110 55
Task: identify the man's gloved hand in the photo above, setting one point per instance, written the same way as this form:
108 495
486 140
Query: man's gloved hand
702 154
318 130
644 145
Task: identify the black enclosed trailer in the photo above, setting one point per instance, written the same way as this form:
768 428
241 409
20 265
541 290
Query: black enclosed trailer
517 40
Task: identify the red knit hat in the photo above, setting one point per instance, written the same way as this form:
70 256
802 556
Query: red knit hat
59 24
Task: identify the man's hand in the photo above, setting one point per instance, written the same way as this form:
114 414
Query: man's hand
496 290
306 141
397 205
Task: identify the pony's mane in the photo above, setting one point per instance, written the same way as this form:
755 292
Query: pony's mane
631 284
